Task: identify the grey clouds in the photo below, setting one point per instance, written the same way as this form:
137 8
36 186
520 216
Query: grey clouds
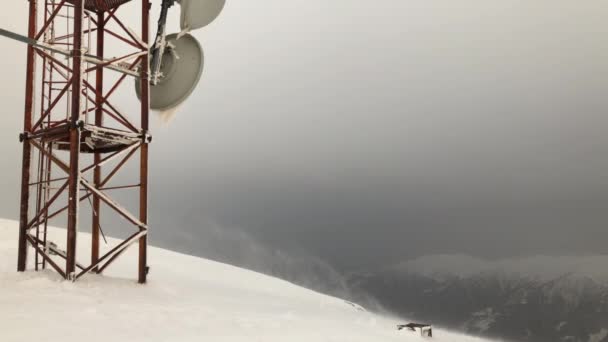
371 132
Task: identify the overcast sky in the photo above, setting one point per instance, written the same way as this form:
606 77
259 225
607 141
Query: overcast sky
367 133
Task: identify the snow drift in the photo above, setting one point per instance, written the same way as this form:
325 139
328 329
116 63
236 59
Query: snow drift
186 299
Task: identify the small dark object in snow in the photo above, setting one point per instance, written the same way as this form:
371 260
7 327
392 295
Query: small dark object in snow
425 329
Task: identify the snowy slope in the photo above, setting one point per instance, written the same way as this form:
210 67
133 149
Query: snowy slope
499 298
187 299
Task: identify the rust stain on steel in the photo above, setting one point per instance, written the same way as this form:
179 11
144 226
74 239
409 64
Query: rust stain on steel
145 113
27 148
74 172
96 211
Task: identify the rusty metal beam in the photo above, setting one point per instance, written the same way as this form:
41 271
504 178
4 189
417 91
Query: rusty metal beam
115 60
96 204
75 136
49 20
49 181
47 205
45 256
118 167
46 133
116 115
121 38
143 168
99 163
112 204
51 156
55 250
103 183
27 148
141 44
121 187
48 111
123 245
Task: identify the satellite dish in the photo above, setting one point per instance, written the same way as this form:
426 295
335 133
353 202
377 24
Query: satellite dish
181 69
199 13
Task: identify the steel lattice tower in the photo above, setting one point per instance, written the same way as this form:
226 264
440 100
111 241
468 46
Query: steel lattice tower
72 131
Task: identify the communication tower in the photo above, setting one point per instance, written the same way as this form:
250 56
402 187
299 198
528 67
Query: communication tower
76 139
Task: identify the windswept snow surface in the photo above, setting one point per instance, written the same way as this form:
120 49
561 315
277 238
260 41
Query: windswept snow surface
186 299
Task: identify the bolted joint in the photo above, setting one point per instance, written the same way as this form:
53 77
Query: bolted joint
77 125
146 138
78 53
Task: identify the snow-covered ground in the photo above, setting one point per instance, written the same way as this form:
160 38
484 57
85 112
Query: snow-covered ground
186 299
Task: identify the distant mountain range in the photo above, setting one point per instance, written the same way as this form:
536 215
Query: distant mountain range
541 299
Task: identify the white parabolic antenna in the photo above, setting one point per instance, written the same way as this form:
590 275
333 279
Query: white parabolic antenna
177 60
181 69
199 13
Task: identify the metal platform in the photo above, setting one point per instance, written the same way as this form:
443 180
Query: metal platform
102 5
101 140
95 139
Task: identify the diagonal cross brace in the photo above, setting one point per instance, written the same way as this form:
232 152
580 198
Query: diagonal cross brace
115 251
122 211
45 256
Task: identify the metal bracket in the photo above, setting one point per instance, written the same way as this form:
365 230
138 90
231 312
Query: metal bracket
77 125
160 42
24 136
146 138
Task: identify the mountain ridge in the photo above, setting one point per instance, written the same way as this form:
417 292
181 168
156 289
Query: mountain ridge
517 299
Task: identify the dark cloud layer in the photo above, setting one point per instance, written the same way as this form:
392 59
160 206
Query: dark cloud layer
366 133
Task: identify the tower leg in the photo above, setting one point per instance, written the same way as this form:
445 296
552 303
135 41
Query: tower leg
25 197
95 230
143 215
73 201
74 172
145 110
27 148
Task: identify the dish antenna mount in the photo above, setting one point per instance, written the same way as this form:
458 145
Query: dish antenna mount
160 43
168 89
177 59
